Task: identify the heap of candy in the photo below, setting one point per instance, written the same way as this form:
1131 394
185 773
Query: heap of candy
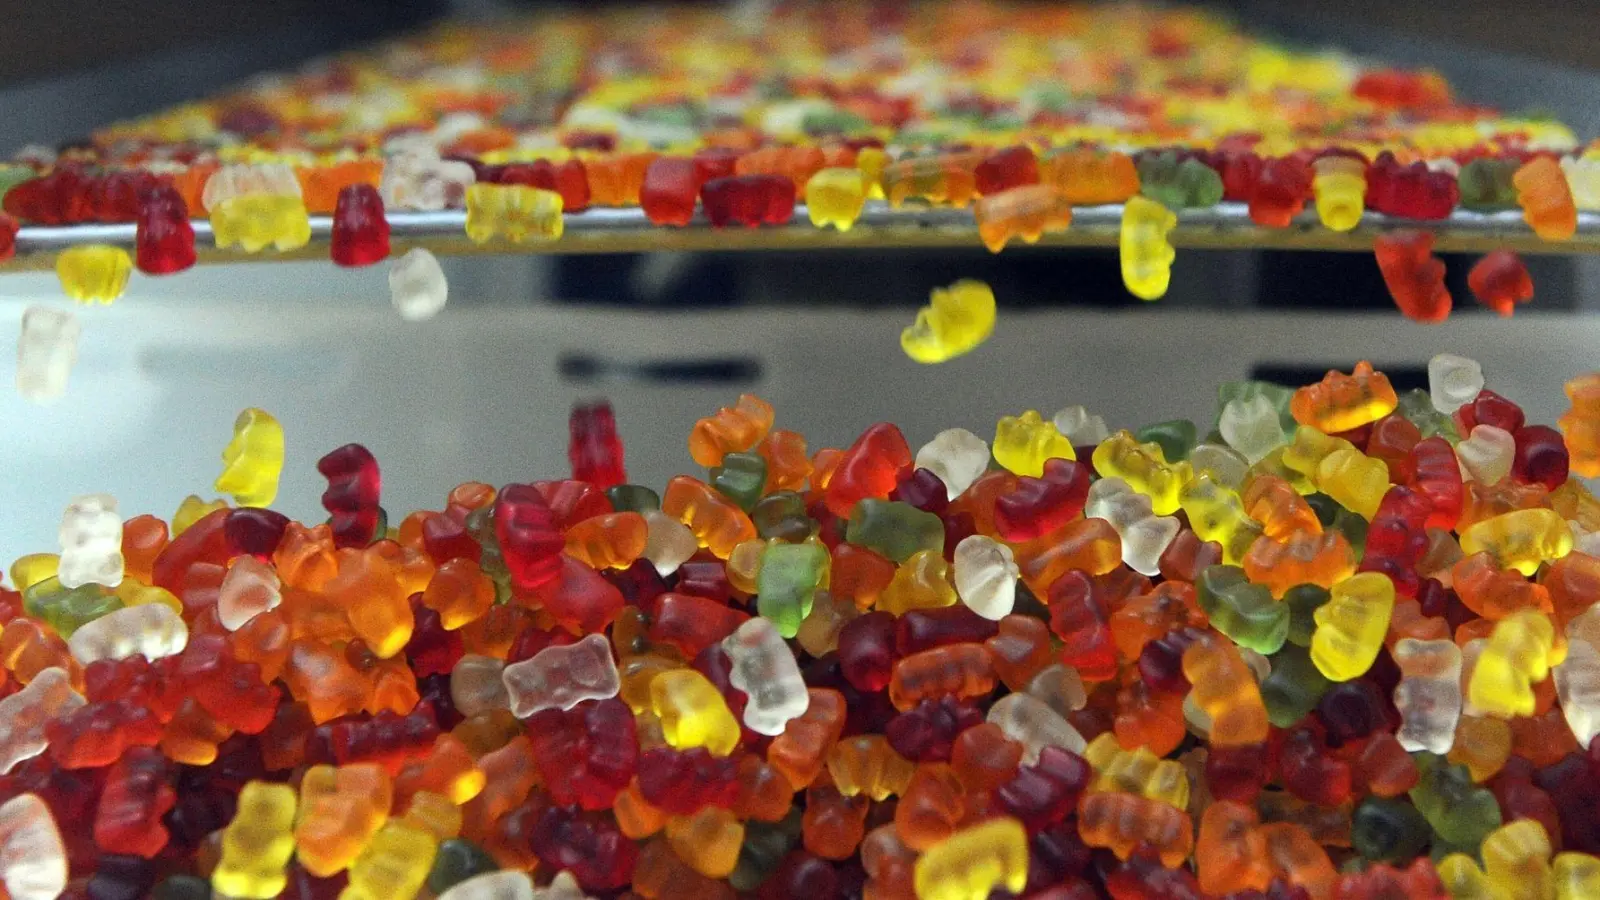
1345 645
1021 112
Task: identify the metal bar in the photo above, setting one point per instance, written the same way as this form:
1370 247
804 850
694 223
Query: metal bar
1226 226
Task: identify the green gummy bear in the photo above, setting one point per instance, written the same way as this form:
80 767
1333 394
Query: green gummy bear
68 610
1243 611
1486 184
787 585
1177 437
457 860
741 478
894 529
1302 601
1388 830
1294 687
633 498
1276 394
1418 407
782 515
1458 810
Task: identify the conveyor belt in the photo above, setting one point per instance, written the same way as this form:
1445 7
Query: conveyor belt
1226 226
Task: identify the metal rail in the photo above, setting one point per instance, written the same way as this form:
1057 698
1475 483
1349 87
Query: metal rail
1225 226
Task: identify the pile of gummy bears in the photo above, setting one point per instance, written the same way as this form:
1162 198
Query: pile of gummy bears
1343 644
1022 112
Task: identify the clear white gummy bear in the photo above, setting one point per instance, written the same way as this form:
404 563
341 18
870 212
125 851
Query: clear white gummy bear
417 285
764 668
1453 382
91 542
1225 465
957 456
1145 535
46 353
562 676
1428 696
1252 427
668 542
986 576
1486 455
1577 677
1078 426
250 588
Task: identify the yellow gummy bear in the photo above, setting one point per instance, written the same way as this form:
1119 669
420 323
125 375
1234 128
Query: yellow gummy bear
515 212
1145 468
1137 771
94 273
1309 447
1353 480
972 862
1516 658
256 221
1216 513
1463 880
192 510
872 161
835 195
1147 254
1516 857
956 320
253 460
1023 443
1351 625
257 844
693 712
1340 188
1577 876
1521 539
394 864
33 568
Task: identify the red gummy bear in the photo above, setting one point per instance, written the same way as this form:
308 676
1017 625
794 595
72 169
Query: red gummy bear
138 793
593 447
1008 168
1078 616
748 200
360 231
1414 276
1280 192
671 186
872 467
1500 281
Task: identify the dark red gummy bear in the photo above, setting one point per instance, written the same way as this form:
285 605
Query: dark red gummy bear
352 495
1046 792
586 755
682 782
163 237
927 732
1038 506
1008 168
